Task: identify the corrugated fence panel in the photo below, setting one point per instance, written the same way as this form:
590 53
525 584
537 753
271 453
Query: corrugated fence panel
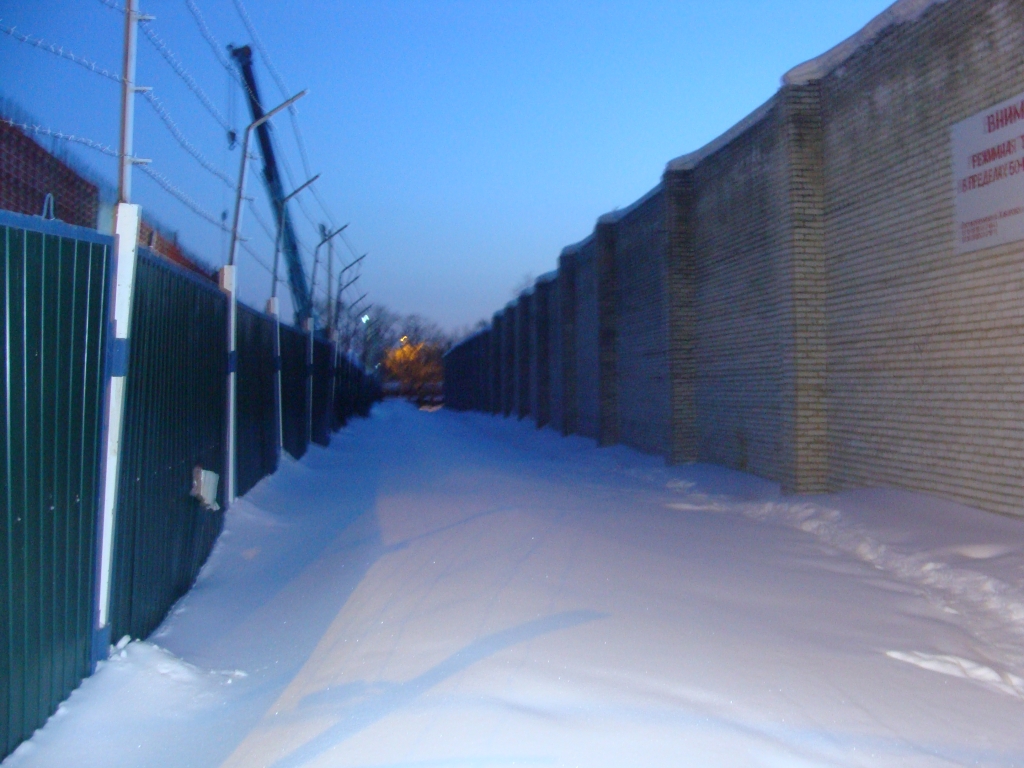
53 322
344 397
293 390
322 363
255 420
174 420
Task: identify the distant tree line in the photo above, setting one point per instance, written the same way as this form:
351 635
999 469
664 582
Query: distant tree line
406 350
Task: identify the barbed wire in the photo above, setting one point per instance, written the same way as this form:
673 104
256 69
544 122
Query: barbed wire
148 95
285 93
256 258
258 42
192 205
200 158
56 50
292 112
267 230
60 135
162 181
177 66
189 81
182 197
166 184
204 30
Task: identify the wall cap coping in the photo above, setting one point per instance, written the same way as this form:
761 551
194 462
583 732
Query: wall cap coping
548 277
614 217
900 12
575 248
690 161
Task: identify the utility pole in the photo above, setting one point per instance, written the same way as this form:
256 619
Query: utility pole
126 238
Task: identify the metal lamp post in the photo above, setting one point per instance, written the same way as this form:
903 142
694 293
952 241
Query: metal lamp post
227 283
327 237
274 310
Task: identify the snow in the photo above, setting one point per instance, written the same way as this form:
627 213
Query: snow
569 250
444 589
620 213
899 12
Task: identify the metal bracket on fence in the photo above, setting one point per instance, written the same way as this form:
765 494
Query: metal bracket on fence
48 207
204 488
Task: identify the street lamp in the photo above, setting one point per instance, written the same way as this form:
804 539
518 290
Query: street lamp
228 284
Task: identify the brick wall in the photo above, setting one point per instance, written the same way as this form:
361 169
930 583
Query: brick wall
508 335
569 405
738 222
496 363
515 352
641 317
484 375
789 302
586 341
924 346
605 235
524 310
681 321
540 354
28 172
556 397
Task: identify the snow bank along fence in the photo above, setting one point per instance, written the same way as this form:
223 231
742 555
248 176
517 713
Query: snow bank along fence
828 295
56 300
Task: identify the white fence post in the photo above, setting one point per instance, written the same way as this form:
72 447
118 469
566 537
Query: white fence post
126 232
227 284
273 310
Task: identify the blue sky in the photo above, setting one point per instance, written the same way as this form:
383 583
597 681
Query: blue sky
464 142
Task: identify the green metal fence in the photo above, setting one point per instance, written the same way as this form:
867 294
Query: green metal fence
323 353
293 390
57 282
344 391
256 415
174 421
53 325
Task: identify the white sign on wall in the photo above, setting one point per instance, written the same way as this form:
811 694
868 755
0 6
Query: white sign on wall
988 176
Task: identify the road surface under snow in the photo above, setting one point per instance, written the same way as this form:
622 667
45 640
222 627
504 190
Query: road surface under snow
444 589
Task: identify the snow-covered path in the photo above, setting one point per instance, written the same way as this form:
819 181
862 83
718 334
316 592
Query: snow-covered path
441 589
